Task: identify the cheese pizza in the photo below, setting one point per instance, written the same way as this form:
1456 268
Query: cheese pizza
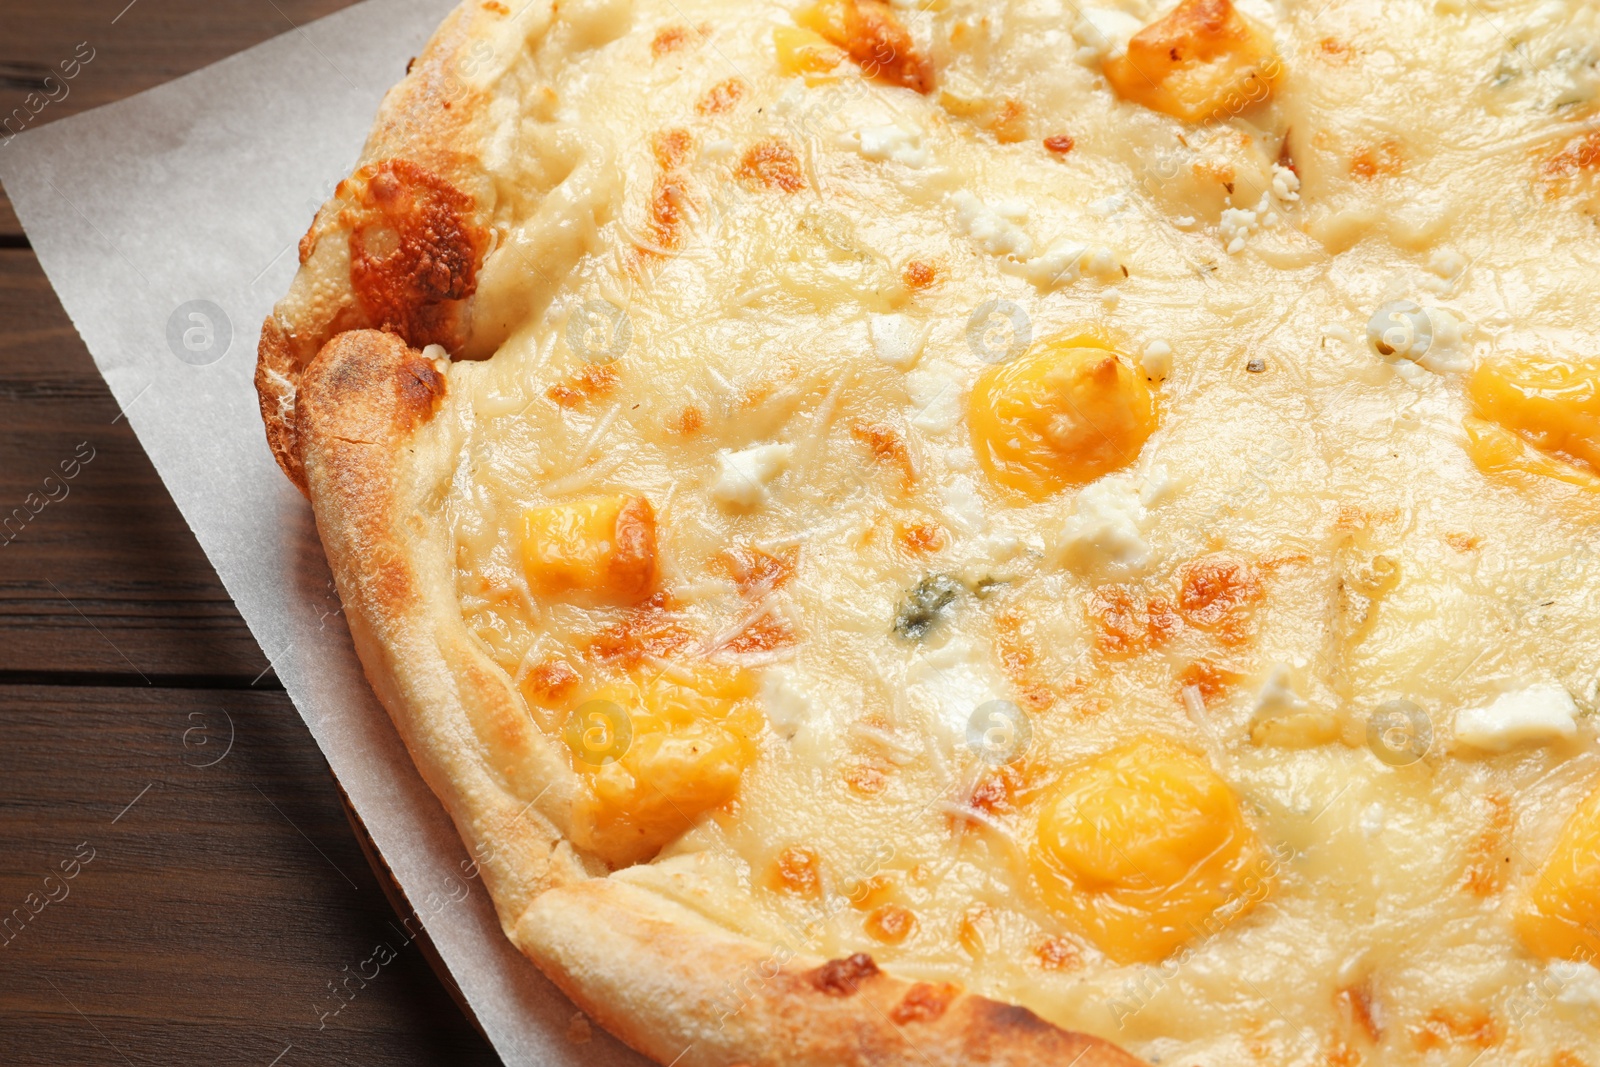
949 532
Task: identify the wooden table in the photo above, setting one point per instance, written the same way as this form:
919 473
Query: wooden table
196 902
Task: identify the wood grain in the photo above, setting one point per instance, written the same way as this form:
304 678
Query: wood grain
215 910
107 578
223 903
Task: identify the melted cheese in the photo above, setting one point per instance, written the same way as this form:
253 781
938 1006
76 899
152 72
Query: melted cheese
844 260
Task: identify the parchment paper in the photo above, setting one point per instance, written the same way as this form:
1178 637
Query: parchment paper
168 223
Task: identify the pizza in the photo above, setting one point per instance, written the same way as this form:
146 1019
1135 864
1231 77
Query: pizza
957 532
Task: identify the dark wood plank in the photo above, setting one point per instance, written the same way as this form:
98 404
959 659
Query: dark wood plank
106 577
215 911
132 47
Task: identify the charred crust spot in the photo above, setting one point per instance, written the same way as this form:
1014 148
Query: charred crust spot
924 1002
841 978
1335 49
1128 623
993 794
1486 872
920 538
413 251
797 870
890 923
1457 1024
689 421
308 242
772 164
866 779
1582 154
1286 152
418 387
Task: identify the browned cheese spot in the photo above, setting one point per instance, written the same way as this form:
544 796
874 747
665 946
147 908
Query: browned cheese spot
772 164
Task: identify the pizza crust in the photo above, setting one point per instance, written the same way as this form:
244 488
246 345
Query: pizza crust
359 405
433 122
650 970
684 991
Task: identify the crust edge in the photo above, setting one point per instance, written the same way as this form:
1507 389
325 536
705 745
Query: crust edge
651 971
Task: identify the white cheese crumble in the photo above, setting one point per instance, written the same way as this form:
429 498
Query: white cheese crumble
951 682
1106 531
718 148
742 476
935 390
994 228
1448 351
792 700
1373 820
1285 183
887 144
962 504
1277 695
895 340
787 704
1103 33
1238 224
1579 983
1067 262
1446 264
1156 360
1537 714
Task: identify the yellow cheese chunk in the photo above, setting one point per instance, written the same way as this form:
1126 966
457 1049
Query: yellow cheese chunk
656 754
1536 416
1559 914
802 51
1144 848
602 549
873 36
1204 62
1062 414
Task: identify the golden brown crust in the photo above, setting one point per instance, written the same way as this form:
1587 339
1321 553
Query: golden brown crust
682 990
361 403
399 244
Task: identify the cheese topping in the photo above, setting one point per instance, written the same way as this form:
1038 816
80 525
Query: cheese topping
891 343
1538 714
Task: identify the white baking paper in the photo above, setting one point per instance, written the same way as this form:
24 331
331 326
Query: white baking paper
168 224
